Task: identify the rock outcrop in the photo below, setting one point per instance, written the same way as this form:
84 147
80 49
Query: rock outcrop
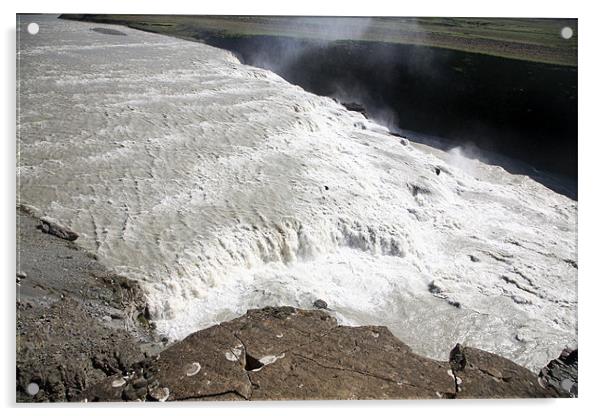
479 375
292 354
353 106
561 373
51 226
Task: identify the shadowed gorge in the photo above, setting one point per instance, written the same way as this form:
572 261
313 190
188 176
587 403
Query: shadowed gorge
524 110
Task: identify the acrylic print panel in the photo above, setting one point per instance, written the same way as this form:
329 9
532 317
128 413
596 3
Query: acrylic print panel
297 208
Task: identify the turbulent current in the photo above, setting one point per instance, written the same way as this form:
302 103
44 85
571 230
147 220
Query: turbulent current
221 187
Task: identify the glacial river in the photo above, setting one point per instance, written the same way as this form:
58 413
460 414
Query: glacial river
221 187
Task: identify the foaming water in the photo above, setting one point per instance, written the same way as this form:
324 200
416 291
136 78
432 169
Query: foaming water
221 187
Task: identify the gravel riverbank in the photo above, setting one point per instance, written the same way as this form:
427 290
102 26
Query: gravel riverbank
76 321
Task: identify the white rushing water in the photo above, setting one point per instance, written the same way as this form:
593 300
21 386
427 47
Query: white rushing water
206 180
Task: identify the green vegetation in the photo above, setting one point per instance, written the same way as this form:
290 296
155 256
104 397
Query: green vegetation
528 39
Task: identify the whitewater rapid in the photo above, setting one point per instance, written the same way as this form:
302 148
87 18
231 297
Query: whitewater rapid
221 187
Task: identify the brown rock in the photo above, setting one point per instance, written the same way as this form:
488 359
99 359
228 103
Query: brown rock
291 354
271 331
109 390
214 349
159 394
484 375
352 363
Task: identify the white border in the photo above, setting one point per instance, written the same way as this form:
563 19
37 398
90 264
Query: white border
506 8
590 206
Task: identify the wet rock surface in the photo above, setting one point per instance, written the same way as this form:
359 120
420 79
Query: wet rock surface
561 373
51 226
63 346
284 353
352 106
108 31
478 374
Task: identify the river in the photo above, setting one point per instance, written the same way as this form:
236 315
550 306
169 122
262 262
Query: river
222 187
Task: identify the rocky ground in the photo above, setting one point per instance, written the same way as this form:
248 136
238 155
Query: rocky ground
77 323
291 354
82 335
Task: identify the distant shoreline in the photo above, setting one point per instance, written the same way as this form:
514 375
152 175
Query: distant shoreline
536 40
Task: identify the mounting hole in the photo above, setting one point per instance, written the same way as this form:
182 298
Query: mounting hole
566 384
566 32
32 389
33 28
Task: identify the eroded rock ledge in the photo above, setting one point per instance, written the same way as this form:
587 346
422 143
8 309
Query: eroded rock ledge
285 353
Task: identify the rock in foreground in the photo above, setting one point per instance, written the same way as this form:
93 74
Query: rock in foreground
51 226
561 373
292 354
